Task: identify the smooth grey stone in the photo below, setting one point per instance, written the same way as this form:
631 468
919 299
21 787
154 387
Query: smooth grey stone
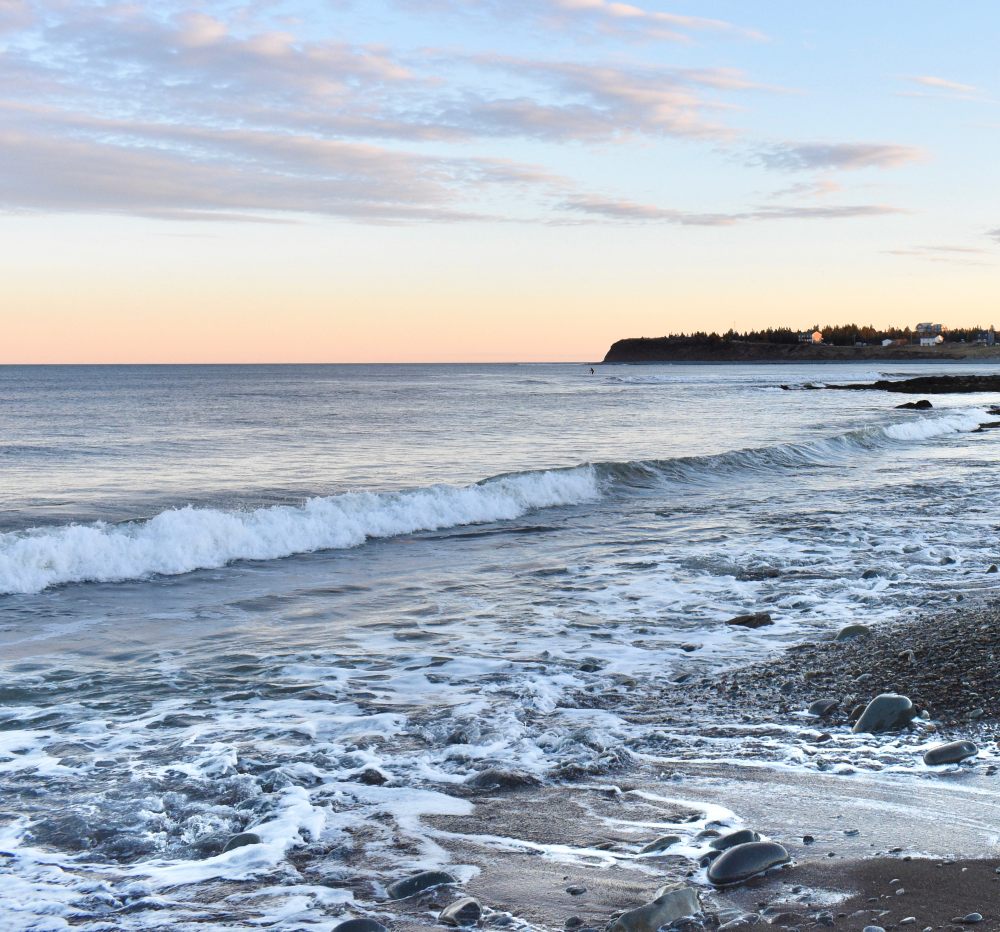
888 712
746 861
660 844
970 919
673 902
823 707
755 620
739 837
463 912
496 779
951 753
576 890
241 840
850 632
873 929
360 925
408 886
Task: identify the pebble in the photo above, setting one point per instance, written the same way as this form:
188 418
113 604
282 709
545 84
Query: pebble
755 620
463 912
850 632
673 902
746 861
360 925
241 840
408 886
660 844
970 919
823 707
576 890
951 753
739 837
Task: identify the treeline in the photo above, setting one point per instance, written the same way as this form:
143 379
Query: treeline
839 335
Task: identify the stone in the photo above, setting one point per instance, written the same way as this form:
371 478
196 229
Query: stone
952 753
463 912
739 837
755 620
497 779
576 890
970 919
372 777
921 405
408 886
672 902
887 712
992 568
360 925
745 861
747 921
850 632
873 929
660 844
821 708
242 840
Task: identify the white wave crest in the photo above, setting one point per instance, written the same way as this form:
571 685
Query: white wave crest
185 539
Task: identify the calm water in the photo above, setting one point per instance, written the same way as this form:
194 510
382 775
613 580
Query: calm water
226 592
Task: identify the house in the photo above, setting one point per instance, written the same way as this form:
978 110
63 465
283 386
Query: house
811 336
888 342
929 329
986 337
927 340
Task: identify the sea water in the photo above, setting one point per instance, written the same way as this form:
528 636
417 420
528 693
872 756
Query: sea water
228 592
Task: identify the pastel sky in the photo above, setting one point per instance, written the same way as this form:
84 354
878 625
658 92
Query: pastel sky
448 180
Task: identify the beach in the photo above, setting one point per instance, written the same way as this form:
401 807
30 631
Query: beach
549 635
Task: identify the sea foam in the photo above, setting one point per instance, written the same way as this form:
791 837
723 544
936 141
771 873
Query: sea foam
184 539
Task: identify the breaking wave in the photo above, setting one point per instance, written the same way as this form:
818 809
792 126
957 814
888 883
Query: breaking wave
185 539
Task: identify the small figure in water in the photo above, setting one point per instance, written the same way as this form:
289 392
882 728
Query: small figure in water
591 370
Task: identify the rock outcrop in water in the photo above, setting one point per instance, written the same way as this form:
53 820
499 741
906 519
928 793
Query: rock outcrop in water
928 385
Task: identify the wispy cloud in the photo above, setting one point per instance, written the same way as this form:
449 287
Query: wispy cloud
929 80
959 255
631 211
822 156
994 234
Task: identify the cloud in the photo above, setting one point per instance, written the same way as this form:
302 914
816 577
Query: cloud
959 255
631 211
820 187
835 156
943 84
994 234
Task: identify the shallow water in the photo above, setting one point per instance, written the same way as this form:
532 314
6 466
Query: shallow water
231 590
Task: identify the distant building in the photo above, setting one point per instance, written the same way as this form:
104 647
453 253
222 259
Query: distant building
931 340
929 328
811 336
986 337
888 342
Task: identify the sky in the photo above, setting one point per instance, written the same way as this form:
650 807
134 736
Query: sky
487 180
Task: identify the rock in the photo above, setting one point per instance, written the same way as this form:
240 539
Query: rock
785 918
408 886
747 921
746 861
372 777
821 708
360 925
241 840
660 844
888 712
576 890
921 405
497 779
970 919
673 902
870 574
463 912
755 620
951 753
993 568
739 837
873 929
850 632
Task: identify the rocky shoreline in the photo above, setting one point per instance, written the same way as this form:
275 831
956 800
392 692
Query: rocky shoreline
568 856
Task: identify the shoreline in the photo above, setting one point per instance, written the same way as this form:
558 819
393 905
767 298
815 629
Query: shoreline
853 865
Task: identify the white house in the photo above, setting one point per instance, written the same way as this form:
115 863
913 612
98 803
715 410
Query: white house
814 336
931 341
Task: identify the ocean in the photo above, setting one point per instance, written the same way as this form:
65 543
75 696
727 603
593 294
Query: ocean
313 602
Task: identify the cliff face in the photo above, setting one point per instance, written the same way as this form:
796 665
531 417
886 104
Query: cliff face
661 349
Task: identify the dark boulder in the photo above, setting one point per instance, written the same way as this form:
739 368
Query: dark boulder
739 837
241 840
888 712
746 861
921 405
